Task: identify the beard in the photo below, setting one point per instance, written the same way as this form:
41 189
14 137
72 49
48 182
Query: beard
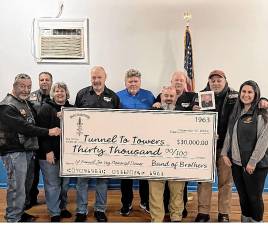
97 86
23 96
166 106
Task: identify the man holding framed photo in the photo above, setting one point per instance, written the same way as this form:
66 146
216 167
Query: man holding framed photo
225 99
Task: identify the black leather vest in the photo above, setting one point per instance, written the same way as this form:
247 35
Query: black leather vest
29 143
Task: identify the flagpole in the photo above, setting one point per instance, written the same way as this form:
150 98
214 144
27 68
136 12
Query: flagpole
188 60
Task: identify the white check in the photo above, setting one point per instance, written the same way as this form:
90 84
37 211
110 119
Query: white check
144 144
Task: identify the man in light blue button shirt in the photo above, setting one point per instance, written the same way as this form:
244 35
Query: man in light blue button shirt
134 97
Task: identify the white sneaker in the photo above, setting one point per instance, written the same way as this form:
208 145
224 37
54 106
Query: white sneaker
145 208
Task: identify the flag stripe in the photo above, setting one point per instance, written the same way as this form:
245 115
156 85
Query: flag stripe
188 59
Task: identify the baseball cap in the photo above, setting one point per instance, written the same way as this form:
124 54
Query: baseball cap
219 73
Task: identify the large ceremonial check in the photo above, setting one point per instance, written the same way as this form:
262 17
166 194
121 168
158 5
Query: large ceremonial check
144 144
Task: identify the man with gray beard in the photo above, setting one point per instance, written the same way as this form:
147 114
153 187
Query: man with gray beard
168 98
157 187
95 96
185 101
18 143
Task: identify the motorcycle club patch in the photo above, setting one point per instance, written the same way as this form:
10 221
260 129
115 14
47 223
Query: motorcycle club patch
23 112
248 119
33 97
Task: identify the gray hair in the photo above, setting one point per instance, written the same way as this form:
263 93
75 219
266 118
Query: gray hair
59 85
180 72
21 76
132 73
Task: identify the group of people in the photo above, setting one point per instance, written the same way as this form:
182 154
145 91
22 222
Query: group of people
30 141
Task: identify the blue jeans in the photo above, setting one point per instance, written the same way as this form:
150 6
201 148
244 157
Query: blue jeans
56 187
19 179
64 190
82 195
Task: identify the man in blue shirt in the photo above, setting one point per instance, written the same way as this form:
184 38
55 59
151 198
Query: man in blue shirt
134 97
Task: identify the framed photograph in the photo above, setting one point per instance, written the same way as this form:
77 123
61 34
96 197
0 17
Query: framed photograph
206 100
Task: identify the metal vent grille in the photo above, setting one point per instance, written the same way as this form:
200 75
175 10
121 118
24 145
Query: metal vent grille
62 46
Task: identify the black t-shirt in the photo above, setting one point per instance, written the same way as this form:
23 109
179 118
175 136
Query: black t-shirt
87 98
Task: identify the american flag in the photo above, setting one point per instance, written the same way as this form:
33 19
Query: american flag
188 59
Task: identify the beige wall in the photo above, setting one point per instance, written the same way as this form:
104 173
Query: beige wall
145 34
